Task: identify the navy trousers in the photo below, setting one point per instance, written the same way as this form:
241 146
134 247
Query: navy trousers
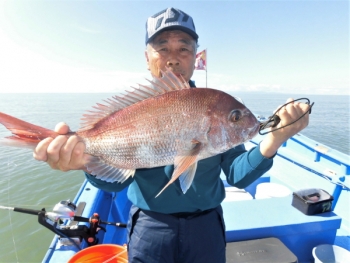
180 238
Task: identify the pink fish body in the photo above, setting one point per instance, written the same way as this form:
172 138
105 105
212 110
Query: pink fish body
162 124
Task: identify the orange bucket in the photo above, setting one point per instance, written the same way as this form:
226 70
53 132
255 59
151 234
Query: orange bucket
106 253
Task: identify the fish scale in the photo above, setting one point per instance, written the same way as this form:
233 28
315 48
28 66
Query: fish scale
156 132
161 124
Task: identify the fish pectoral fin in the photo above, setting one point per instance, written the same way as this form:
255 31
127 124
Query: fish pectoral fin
185 168
186 178
105 172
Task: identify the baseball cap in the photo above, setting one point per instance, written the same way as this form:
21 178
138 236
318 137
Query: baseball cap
169 19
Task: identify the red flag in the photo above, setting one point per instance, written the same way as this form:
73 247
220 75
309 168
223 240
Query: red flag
201 60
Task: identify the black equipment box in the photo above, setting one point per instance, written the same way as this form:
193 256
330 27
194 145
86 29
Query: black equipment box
312 201
265 250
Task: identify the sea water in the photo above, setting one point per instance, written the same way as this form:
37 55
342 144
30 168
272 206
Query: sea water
27 183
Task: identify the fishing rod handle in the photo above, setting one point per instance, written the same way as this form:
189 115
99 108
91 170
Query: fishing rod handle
27 211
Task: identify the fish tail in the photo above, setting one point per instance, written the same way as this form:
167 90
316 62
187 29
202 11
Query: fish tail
24 134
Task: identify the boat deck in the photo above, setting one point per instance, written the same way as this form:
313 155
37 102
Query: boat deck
299 164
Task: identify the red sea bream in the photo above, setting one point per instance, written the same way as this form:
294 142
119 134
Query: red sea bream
164 123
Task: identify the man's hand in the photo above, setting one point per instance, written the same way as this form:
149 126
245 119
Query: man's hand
65 152
287 114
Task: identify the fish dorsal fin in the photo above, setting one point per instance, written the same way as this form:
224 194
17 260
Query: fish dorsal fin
158 86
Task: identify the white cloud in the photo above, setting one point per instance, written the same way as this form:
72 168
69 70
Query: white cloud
228 83
85 29
24 70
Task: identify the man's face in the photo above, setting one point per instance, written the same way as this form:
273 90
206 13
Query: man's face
174 49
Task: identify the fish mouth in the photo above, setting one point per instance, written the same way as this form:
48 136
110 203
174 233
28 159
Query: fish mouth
251 132
253 126
256 129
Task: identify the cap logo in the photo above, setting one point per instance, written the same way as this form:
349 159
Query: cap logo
167 19
176 16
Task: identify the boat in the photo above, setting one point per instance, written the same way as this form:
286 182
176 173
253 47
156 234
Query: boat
301 164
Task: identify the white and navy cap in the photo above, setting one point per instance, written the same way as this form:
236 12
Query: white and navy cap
170 19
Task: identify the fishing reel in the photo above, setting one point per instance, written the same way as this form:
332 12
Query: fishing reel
72 233
62 210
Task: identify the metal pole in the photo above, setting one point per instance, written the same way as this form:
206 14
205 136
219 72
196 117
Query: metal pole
206 68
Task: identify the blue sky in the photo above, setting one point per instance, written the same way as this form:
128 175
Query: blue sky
98 46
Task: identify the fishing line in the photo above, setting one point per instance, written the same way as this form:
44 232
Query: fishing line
274 120
114 257
9 211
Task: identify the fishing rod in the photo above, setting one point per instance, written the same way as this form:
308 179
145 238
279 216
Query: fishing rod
66 210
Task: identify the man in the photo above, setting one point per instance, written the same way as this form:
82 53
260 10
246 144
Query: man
176 227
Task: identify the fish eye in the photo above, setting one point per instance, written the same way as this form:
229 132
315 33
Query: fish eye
235 115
